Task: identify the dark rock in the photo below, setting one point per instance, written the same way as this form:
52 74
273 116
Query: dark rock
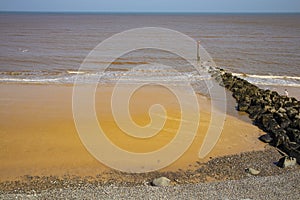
255 115
285 123
267 108
243 106
266 138
294 135
278 115
291 112
293 145
296 154
266 119
288 104
238 96
295 124
280 138
254 111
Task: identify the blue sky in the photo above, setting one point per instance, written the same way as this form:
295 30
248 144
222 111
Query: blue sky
152 5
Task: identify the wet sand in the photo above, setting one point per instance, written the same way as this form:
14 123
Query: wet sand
39 138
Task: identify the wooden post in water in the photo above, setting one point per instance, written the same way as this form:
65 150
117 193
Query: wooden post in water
198 51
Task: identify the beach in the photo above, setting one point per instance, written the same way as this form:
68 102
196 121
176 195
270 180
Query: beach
44 156
39 137
42 153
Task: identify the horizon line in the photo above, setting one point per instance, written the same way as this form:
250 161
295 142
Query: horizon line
154 12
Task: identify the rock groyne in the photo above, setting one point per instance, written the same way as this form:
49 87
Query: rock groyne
277 115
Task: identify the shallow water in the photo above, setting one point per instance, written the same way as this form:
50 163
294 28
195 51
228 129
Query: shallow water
49 48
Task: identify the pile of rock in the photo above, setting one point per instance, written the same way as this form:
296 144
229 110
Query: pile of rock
277 115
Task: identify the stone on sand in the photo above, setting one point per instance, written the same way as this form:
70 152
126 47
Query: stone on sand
162 181
252 171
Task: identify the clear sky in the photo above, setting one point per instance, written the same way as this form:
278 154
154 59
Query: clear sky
152 5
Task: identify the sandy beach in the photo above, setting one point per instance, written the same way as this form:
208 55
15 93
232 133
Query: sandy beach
39 138
174 100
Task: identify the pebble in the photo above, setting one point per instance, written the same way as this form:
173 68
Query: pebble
161 182
252 171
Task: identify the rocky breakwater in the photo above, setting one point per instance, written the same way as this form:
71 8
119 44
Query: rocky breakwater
277 115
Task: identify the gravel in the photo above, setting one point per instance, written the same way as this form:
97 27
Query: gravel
284 186
220 178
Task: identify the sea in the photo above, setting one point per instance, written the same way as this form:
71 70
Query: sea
49 48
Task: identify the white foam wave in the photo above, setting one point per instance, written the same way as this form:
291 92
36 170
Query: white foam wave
266 76
69 76
108 76
293 81
76 72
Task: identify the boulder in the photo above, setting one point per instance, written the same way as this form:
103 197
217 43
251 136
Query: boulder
288 103
281 110
265 120
254 111
291 112
286 162
237 95
280 117
280 138
294 135
267 108
266 138
295 123
161 182
285 123
243 106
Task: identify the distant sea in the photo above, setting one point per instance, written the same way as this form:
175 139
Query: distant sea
49 47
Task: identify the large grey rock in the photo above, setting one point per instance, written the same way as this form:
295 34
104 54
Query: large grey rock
161 182
286 162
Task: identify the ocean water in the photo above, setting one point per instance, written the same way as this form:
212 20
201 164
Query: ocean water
49 48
